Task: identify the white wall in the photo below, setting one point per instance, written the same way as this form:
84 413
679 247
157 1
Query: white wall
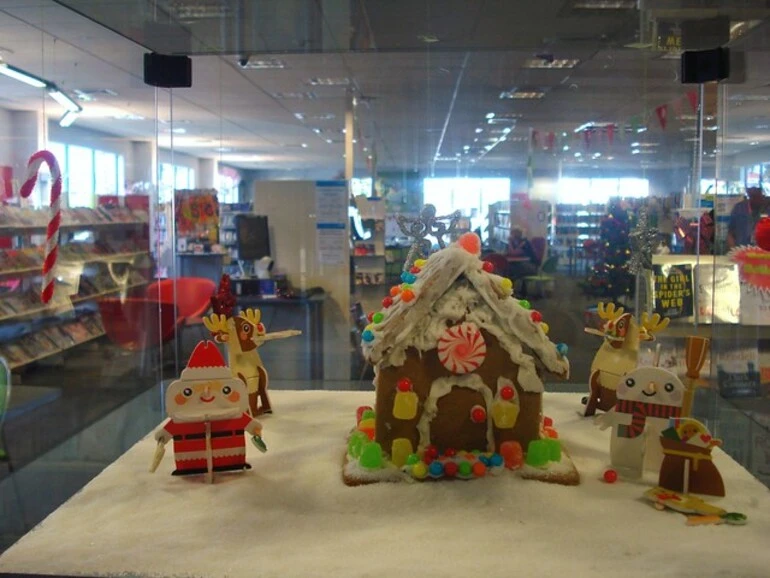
6 138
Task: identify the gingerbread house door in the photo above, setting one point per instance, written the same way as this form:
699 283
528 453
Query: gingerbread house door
461 421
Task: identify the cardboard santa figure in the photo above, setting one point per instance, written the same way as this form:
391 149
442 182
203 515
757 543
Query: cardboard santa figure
208 415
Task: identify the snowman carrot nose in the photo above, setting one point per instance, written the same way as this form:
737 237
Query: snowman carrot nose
651 387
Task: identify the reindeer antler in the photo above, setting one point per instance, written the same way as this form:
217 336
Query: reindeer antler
216 323
609 313
651 325
253 316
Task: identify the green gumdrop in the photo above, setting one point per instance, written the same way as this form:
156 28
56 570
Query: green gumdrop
378 317
537 453
368 414
554 449
356 443
465 468
412 459
371 456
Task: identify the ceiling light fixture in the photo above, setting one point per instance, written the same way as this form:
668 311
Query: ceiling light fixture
63 99
490 115
259 63
294 95
551 63
604 4
21 76
316 81
479 130
518 94
69 117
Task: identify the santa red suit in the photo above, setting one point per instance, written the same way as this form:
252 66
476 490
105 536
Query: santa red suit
208 415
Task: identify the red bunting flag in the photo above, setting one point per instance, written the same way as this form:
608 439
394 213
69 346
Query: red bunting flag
662 113
550 139
692 97
610 134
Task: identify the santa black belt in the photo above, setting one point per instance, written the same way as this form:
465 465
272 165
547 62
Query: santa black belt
216 434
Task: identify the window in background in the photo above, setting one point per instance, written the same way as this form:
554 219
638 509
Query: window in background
361 187
80 167
105 173
585 191
174 177
471 196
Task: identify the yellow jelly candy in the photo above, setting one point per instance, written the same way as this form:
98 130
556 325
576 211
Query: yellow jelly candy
400 450
506 285
405 405
419 470
505 414
419 263
545 327
366 423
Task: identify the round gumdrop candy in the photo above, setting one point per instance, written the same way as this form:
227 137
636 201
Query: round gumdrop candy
496 460
506 285
412 459
407 295
367 335
513 454
414 270
547 421
465 469
610 476
360 412
407 277
395 290
524 303
485 460
436 469
431 451
562 349
450 452
450 469
479 469
356 443
404 384
420 263
551 433
387 302
470 242
536 316
371 456
419 470
478 414
488 267
377 317
507 392
545 327
370 316
368 413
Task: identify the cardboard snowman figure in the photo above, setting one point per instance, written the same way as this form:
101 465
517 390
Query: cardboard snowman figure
647 398
208 415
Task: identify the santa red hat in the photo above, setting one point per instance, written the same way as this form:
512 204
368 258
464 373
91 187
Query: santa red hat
206 362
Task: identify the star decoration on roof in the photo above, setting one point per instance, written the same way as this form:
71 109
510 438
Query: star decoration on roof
643 239
426 224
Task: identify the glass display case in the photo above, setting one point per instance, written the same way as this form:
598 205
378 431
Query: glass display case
387 242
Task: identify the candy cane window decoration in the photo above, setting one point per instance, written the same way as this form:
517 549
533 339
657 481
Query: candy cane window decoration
52 232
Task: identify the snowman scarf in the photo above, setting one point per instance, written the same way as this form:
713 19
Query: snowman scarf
640 411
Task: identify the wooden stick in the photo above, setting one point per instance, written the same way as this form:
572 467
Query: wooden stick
160 451
656 357
277 335
686 481
209 455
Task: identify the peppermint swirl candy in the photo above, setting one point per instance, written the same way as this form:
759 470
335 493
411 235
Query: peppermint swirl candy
461 348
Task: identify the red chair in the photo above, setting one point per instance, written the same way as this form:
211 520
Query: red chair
499 262
139 324
193 296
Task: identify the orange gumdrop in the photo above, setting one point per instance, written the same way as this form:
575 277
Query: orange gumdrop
551 433
470 242
395 290
407 295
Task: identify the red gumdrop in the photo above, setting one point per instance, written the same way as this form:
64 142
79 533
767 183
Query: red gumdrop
488 267
479 469
414 270
610 476
513 455
360 411
507 392
547 422
536 316
387 302
404 384
470 242
431 451
762 233
370 316
450 452
450 469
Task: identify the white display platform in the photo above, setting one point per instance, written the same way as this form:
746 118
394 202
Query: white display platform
292 515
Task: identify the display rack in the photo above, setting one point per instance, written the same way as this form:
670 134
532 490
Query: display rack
573 225
499 226
227 232
109 263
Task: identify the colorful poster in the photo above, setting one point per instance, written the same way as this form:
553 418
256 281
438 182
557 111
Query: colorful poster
673 290
754 271
197 211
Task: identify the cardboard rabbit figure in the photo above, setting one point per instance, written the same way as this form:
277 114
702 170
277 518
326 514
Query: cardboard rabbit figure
243 335
207 409
647 398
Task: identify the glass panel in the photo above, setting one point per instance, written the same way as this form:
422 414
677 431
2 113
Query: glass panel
105 173
81 180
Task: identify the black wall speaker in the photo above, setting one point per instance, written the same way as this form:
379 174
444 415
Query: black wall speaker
167 71
699 66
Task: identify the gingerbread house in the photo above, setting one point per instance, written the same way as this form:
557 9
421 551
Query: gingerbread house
459 362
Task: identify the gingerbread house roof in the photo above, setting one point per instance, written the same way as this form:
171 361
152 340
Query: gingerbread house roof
438 294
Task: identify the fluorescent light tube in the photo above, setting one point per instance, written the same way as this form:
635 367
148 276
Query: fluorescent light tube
21 76
69 117
63 99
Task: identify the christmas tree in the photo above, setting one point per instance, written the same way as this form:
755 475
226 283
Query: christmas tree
610 276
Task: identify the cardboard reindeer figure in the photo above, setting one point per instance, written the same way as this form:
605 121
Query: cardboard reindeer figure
618 354
243 335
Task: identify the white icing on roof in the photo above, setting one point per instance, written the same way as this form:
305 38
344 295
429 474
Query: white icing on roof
440 295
